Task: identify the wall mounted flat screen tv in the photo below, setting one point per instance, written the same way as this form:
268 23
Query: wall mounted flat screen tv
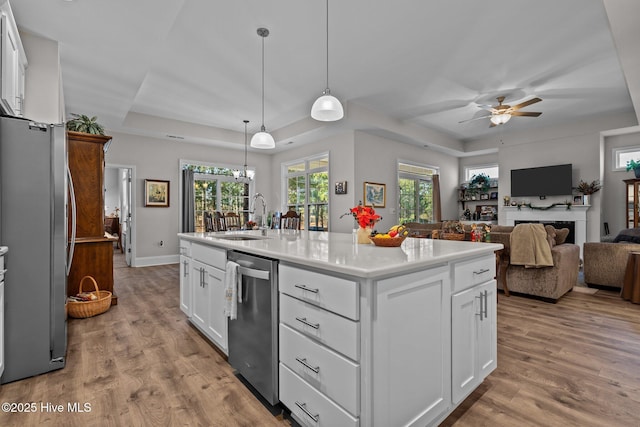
554 180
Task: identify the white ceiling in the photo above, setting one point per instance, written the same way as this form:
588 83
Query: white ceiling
410 68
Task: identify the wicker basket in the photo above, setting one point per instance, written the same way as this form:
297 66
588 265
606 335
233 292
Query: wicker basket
84 309
388 242
452 236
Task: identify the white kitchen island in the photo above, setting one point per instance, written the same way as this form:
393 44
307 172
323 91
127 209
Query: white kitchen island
368 336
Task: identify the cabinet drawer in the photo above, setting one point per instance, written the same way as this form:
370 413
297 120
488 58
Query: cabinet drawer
185 248
473 272
329 292
309 406
336 376
209 255
336 332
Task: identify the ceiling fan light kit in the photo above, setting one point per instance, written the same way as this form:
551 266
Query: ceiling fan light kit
502 113
263 139
327 108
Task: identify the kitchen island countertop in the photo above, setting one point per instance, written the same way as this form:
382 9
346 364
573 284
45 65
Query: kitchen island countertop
338 252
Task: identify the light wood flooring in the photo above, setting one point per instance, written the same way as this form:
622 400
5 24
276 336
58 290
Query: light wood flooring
574 363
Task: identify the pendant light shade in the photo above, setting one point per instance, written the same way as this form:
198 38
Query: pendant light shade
327 108
263 139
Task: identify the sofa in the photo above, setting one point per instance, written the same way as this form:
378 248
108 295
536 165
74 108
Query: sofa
546 283
605 262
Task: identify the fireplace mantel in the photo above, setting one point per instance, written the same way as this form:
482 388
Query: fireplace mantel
577 214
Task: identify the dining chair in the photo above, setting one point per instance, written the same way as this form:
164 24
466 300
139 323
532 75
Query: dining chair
208 222
219 222
232 221
290 221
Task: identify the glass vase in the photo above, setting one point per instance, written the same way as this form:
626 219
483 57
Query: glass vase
363 234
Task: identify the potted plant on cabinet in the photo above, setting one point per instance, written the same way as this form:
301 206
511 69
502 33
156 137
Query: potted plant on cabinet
635 165
85 124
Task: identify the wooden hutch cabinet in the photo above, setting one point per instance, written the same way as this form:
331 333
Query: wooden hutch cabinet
93 252
633 198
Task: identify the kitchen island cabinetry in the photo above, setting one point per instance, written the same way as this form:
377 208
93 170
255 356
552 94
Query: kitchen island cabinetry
373 336
207 293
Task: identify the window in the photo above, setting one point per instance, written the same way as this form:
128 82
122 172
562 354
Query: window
216 189
622 155
415 190
490 170
307 191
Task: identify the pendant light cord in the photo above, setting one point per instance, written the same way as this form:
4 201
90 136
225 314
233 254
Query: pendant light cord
327 23
245 147
263 36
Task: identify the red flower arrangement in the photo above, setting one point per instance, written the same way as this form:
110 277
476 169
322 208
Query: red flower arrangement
365 216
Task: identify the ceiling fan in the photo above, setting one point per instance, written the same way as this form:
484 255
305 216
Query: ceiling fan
502 113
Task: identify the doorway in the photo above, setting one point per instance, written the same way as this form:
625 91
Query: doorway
119 201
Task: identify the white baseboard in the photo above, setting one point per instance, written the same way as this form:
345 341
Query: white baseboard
157 260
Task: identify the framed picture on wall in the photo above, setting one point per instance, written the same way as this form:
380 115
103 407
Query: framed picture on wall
375 195
156 193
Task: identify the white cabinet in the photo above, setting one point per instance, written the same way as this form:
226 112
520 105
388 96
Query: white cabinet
14 63
205 300
319 370
2 251
474 344
411 348
185 285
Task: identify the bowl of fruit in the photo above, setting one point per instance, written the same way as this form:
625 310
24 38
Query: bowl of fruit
392 238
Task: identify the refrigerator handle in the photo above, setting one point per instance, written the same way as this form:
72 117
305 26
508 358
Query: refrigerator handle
72 196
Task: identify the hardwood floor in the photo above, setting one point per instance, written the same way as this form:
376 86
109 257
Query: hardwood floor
574 363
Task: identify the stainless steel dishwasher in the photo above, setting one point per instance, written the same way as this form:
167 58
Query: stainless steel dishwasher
253 336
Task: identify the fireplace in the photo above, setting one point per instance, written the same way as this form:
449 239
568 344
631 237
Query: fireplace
571 225
558 216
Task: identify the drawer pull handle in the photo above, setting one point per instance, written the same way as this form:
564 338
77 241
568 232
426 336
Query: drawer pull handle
306 322
304 288
303 406
306 365
484 270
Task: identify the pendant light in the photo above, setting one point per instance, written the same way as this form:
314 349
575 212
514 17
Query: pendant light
263 139
327 108
244 175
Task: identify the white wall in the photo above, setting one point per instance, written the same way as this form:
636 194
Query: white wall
43 89
160 159
111 190
377 160
614 198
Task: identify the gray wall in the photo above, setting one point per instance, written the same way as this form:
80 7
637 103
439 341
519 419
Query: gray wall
160 159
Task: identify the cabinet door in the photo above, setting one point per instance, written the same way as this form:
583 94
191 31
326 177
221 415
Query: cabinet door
185 285
473 338
412 349
199 295
464 352
217 325
487 330
10 61
1 326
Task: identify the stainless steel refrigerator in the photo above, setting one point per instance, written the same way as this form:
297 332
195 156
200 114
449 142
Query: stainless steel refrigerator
33 225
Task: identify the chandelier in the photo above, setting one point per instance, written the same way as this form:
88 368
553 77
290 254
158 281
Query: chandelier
244 175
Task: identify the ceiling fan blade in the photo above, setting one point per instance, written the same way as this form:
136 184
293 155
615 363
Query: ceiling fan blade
525 103
475 118
525 113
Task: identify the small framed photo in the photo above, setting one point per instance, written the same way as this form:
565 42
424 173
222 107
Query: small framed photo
577 200
341 187
156 193
484 196
375 195
493 195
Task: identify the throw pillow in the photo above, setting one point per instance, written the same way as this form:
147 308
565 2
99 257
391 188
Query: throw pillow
561 235
551 235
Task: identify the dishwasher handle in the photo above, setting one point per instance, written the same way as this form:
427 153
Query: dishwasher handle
252 272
